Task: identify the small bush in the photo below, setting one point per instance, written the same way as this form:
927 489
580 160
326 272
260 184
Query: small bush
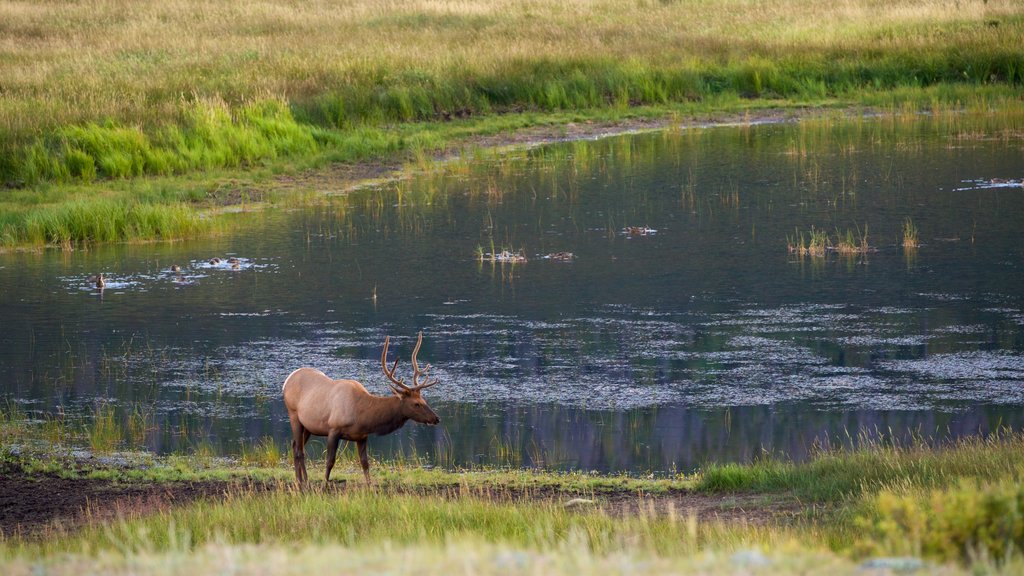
968 521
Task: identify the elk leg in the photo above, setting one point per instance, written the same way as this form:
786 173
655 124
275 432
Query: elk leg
299 437
364 460
332 452
305 440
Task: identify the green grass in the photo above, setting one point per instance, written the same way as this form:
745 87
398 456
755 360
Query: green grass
97 96
959 504
845 474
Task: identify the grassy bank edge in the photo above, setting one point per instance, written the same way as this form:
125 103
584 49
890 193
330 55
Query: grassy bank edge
195 204
881 498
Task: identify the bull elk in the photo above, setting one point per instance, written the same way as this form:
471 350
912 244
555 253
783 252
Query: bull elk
344 410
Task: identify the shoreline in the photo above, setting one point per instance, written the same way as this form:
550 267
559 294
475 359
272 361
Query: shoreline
203 197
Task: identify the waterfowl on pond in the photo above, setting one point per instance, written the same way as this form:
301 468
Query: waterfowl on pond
561 256
234 260
175 268
214 261
638 231
98 281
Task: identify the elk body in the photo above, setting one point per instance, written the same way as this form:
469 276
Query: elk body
343 410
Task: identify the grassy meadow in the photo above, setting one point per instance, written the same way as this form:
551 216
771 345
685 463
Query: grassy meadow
952 508
141 112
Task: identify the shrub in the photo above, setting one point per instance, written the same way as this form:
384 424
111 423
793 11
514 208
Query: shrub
968 521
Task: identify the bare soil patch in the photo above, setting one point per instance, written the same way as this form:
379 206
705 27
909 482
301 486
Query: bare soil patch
35 503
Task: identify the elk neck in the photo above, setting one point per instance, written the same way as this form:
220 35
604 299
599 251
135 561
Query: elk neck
382 414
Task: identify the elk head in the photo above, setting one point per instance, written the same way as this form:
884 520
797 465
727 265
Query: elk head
413 405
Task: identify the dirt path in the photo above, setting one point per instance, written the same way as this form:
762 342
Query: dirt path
34 504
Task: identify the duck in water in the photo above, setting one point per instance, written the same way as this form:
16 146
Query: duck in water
98 281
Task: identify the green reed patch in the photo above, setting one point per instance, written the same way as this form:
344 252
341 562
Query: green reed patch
102 220
263 453
104 429
910 234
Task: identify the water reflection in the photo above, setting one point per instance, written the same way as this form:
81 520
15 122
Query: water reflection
704 340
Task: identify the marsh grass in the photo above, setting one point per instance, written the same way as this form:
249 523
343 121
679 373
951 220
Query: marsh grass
910 240
13 423
138 424
264 453
814 243
852 242
104 429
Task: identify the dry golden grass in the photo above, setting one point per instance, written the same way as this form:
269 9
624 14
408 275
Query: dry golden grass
71 62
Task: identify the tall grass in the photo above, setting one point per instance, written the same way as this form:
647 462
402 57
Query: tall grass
104 429
103 220
910 240
360 517
837 475
100 91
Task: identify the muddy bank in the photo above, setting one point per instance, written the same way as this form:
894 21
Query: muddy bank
32 504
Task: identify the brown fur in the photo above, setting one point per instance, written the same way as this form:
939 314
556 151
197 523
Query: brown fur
344 410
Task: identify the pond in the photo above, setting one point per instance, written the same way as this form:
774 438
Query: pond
652 319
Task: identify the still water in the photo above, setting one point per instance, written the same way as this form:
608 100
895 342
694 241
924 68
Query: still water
682 331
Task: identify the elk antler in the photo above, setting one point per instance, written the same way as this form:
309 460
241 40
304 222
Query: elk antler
418 372
400 383
420 377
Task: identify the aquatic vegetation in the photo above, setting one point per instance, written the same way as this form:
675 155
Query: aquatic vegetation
101 220
814 243
852 242
138 424
817 243
910 240
104 431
